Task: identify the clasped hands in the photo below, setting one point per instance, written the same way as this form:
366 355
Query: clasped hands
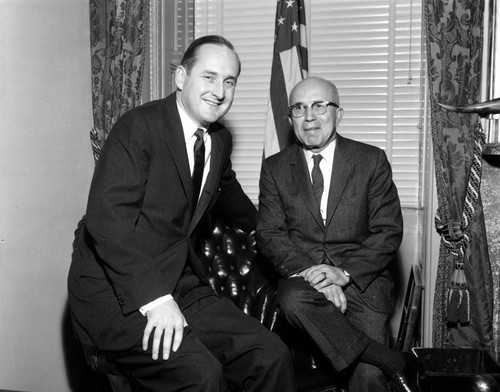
328 280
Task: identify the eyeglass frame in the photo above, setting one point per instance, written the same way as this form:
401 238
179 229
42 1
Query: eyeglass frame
325 103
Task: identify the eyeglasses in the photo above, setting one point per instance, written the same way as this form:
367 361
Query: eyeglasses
299 109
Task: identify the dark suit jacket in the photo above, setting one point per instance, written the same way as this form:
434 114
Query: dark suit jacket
138 233
363 227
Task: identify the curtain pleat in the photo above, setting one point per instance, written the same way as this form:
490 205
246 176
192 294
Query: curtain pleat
463 293
118 35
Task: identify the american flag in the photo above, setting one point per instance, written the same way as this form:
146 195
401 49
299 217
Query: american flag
289 67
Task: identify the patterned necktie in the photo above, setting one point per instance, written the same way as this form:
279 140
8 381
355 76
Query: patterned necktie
317 178
199 163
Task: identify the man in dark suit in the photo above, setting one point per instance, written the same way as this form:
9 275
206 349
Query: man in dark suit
137 289
330 222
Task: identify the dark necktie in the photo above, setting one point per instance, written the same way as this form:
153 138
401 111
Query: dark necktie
199 163
317 178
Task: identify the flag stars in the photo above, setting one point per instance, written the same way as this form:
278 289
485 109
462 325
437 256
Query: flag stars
295 26
281 20
289 3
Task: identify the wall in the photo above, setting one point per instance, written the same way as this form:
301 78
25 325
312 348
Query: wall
45 170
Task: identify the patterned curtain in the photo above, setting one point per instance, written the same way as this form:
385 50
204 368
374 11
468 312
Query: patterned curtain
118 34
463 299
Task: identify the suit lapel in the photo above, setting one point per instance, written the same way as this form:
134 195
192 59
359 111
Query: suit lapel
300 174
340 174
176 144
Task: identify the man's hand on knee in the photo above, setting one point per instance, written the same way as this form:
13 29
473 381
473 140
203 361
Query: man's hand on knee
168 322
328 280
322 275
336 295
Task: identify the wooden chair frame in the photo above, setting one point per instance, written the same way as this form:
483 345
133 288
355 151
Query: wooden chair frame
409 331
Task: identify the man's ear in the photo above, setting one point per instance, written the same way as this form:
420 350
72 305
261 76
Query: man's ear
180 76
339 115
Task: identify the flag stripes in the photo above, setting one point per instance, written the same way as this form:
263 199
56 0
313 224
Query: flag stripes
289 67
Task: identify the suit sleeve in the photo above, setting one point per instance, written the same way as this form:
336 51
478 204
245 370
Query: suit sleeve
272 232
116 195
382 237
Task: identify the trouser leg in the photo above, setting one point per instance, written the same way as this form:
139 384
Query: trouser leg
253 358
222 347
366 377
192 368
309 310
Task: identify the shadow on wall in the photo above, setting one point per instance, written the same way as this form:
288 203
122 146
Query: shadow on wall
80 377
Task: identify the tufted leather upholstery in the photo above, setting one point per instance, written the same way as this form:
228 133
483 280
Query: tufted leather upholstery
239 272
236 271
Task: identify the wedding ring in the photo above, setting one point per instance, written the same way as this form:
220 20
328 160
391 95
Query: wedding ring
324 275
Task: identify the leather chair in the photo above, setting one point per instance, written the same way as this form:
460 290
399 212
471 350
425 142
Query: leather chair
238 271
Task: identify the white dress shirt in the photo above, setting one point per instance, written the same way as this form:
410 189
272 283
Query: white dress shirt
189 127
326 166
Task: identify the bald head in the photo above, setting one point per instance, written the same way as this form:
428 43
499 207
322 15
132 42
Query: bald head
320 87
315 124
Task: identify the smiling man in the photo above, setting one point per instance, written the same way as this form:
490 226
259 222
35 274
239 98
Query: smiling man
330 222
137 289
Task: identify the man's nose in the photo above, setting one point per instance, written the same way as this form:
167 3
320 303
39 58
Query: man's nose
218 89
309 115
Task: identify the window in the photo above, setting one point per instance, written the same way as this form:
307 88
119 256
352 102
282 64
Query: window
171 30
371 50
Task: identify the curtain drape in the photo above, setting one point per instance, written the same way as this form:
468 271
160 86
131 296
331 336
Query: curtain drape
463 293
118 34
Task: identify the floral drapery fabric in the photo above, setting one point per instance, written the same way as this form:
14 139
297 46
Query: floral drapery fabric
454 50
118 34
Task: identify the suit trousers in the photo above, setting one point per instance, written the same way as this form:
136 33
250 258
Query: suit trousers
223 349
341 337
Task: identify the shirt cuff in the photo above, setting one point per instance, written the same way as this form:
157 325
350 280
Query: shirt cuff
158 301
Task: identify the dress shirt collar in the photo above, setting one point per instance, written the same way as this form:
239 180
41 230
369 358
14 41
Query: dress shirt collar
189 126
327 153
326 165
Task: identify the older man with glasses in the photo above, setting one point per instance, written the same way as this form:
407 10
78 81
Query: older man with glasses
330 222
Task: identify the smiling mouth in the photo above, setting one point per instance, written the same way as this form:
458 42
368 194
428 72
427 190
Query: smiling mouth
211 103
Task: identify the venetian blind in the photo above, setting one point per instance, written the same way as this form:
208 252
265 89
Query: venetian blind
370 49
249 25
